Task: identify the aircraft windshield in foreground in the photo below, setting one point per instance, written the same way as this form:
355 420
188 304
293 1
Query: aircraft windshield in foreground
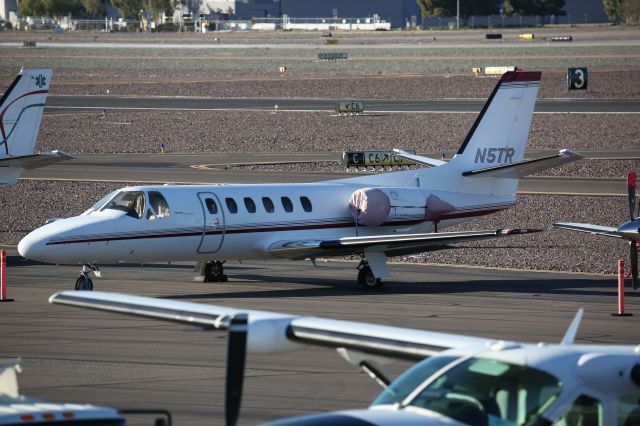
388 214
21 110
457 379
629 231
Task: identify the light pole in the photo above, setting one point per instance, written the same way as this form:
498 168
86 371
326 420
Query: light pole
457 14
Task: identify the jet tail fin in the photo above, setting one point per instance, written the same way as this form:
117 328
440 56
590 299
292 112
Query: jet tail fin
21 110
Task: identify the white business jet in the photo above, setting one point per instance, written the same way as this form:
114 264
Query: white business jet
21 110
374 217
457 379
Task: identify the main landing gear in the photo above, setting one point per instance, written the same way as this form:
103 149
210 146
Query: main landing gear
366 279
214 272
84 281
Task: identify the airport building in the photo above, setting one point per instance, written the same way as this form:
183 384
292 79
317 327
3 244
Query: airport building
399 13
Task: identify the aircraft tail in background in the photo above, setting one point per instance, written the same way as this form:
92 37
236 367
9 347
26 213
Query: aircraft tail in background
21 109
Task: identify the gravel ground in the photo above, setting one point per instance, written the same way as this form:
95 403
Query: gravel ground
303 60
229 131
327 84
586 167
549 250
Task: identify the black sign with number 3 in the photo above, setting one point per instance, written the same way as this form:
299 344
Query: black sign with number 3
577 79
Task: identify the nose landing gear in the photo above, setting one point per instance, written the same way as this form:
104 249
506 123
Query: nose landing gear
84 281
214 272
366 279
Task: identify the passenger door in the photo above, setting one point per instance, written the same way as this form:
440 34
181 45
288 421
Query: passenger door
213 229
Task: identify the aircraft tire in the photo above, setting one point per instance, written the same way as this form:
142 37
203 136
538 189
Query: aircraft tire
367 280
84 284
214 272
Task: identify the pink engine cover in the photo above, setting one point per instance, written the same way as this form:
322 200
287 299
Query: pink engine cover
369 206
437 207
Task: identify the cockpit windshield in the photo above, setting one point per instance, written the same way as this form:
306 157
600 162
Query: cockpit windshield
487 392
408 381
98 204
130 202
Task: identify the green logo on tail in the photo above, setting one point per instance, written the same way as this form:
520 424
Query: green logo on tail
41 81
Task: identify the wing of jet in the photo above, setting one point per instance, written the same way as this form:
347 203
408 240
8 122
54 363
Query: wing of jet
35 161
526 168
391 245
607 231
253 331
425 161
269 332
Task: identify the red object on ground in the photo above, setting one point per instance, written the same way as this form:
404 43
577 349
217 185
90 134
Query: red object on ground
632 180
3 277
620 312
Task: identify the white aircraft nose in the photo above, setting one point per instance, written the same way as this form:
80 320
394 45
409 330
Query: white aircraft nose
31 247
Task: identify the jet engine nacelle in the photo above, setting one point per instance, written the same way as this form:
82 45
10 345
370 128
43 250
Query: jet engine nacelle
372 206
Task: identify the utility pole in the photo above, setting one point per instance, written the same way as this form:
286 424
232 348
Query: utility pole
458 15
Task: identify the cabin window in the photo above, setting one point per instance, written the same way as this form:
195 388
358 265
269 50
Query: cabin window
231 205
130 202
159 204
268 204
211 205
585 410
250 205
287 205
306 204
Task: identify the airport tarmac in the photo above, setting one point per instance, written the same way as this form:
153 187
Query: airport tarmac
87 356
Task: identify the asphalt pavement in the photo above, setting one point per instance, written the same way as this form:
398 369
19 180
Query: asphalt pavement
78 355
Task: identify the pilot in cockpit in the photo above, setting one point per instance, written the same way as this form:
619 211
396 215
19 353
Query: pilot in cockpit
136 209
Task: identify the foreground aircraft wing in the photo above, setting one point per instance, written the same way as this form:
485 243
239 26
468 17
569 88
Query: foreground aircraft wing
269 332
586 227
34 161
392 245
425 161
528 167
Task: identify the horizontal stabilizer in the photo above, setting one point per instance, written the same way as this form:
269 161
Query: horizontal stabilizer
418 159
34 161
526 167
269 332
403 243
586 227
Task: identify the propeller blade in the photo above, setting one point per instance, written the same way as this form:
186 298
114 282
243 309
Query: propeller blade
236 351
631 186
633 254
